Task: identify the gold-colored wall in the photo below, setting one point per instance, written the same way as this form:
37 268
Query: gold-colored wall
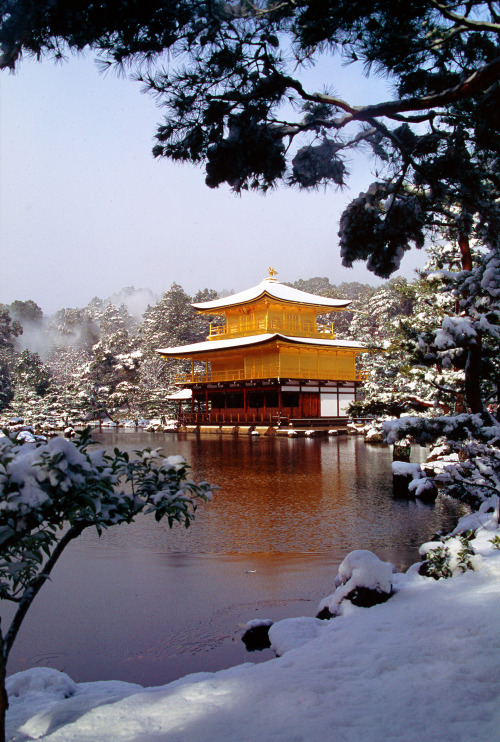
294 362
261 319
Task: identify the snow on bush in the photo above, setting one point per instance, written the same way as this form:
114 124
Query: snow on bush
361 570
50 492
448 557
469 467
455 553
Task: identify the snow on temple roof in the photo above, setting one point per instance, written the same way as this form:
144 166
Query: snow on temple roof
233 343
276 290
185 394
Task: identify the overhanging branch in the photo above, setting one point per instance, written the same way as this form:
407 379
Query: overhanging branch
473 84
467 22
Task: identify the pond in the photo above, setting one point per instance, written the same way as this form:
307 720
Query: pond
148 604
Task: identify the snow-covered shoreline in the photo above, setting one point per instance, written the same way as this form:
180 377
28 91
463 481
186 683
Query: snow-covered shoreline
422 666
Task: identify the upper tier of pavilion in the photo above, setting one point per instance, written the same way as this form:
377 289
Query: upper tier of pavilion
271 307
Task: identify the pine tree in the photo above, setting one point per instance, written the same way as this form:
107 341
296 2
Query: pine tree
9 330
170 323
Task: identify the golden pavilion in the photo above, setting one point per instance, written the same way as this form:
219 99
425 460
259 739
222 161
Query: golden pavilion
268 361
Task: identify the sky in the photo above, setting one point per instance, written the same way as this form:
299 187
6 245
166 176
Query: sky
85 209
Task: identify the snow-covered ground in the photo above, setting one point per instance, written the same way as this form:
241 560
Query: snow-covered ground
422 666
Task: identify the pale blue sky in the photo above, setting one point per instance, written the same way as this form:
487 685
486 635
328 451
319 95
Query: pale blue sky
86 210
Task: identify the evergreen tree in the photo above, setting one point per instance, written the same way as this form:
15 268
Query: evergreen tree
114 366
391 385
31 374
71 390
171 322
201 322
9 330
26 312
74 327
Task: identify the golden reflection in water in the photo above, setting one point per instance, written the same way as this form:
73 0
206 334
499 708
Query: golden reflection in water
287 495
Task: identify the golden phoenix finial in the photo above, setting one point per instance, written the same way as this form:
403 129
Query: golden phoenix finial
272 272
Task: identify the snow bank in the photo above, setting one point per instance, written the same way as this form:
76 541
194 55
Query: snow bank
422 666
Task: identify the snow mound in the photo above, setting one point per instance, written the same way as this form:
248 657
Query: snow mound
40 680
292 633
255 623
482 521
360 570
404 469
43 700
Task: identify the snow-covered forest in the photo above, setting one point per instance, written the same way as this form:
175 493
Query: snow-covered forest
84 363
81 363
87 362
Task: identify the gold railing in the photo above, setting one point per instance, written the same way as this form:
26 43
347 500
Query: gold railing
307 330
268 371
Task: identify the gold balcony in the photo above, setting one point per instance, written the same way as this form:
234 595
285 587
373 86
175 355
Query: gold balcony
297 329
266 371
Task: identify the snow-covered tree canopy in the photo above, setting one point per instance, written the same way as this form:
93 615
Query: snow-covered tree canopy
229 76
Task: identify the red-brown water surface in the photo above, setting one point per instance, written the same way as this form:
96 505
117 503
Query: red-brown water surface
148 604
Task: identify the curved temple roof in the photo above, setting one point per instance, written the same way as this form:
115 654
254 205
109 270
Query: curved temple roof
210 346
276 290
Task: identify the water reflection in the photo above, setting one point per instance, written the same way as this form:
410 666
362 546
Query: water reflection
291 495
148 604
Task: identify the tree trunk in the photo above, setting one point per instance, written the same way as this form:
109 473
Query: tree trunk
466 257
473 377
473 366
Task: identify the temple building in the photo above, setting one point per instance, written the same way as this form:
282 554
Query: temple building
268 361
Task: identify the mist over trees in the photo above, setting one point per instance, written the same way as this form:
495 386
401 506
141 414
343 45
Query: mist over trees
95 361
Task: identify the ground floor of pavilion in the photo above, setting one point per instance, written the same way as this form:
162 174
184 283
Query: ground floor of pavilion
269 401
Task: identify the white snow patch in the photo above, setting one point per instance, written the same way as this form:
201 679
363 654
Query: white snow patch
293 632
405 469
255 623
360 568
422 666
